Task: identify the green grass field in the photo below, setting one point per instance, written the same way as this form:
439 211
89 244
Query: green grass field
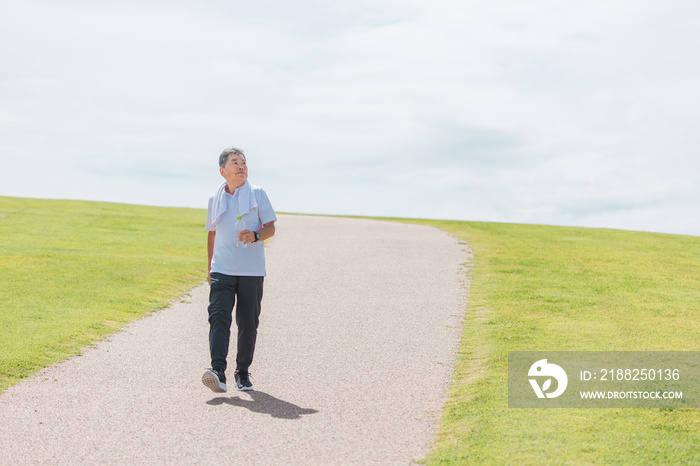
543 288
73 272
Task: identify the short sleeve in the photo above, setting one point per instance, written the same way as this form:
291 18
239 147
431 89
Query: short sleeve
265 211
211 226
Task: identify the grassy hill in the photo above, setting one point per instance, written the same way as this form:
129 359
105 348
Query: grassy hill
543 288
73 272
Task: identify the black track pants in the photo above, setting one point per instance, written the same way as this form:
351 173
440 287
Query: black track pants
225 289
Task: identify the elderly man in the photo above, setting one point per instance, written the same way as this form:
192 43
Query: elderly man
236 267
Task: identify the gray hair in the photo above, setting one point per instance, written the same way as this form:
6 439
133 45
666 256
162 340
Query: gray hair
228 151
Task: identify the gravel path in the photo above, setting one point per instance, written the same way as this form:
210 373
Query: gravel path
360 324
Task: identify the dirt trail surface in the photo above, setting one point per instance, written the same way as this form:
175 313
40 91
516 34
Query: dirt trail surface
360 324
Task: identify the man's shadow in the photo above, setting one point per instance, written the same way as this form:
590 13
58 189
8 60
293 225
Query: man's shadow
265 404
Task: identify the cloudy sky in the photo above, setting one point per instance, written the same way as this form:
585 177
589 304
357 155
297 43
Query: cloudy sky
547 111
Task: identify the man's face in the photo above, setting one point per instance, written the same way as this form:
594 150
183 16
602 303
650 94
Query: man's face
235 170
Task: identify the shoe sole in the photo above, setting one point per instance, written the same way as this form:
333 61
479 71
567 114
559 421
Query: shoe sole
209 379
244 389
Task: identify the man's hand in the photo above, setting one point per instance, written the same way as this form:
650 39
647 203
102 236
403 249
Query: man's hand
246 236
267 231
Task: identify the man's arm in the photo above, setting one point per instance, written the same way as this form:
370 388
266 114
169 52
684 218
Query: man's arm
210 252
267 231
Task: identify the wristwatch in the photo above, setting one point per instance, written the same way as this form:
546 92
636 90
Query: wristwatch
257 236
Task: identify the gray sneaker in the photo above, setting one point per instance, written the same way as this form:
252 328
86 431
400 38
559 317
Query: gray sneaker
214 379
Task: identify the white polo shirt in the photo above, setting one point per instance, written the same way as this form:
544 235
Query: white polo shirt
229 259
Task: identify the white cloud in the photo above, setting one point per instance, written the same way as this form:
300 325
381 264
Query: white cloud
542 111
